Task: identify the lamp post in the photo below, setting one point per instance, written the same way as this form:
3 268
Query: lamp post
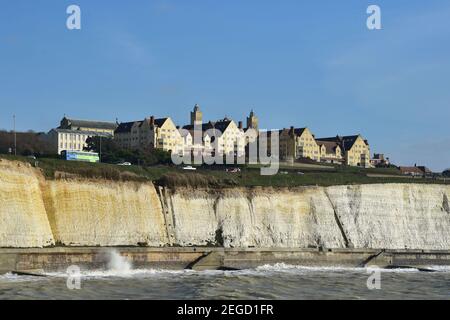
15 135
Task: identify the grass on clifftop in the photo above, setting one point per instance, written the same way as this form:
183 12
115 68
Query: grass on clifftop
217 177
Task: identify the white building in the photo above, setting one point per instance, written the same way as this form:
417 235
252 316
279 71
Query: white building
72 134
71 140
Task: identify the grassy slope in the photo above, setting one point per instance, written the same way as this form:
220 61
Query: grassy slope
207 177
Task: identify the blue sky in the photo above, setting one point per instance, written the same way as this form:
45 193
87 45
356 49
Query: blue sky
303 63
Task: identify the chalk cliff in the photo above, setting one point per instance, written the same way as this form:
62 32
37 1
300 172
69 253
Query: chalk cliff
100 213
35 212
23 219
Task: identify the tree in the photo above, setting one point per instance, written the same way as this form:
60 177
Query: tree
446 173
111 152
28 143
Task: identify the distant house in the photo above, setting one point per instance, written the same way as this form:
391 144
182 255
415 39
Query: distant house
379 160
415 171
72 134
88 125
224 136
355 150
330 152
150 133
297 143
426 171
195 145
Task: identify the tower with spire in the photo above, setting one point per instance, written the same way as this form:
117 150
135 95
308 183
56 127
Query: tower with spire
196 116
252 121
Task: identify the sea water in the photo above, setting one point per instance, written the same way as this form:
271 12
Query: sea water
278 281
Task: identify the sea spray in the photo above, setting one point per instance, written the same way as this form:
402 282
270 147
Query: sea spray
118 263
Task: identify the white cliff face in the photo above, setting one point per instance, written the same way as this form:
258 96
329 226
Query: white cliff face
394 216
258 218
23 219
192 217
38 213
100 213
391 216
268 218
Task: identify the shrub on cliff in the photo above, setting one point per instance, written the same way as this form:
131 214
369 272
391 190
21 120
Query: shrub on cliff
193 180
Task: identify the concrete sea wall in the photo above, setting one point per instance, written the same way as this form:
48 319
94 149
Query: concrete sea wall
35 213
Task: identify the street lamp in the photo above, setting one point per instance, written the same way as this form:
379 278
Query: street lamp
15 134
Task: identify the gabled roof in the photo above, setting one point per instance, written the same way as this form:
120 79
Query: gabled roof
330 146
348 142
222 125
86 132
218 127
125 127
204 127
160 122
345 142
406 170
296 131
89 124
299 131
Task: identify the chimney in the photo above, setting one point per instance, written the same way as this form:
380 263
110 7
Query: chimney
152 121
241 125
291 131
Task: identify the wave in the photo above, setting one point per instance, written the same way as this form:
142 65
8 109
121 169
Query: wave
265 270
122 273
282 267
10 277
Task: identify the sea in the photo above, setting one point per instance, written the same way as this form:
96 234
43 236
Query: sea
279 281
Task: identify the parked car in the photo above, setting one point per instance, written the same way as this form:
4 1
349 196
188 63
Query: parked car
233 170
124 164
300 173
191 168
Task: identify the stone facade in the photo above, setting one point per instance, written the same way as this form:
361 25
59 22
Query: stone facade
330 152
223 137
355 150
297 143
150 133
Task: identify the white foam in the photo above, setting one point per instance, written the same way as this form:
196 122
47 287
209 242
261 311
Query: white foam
282 267
120 274
119 268
10 277
440 268
118 263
